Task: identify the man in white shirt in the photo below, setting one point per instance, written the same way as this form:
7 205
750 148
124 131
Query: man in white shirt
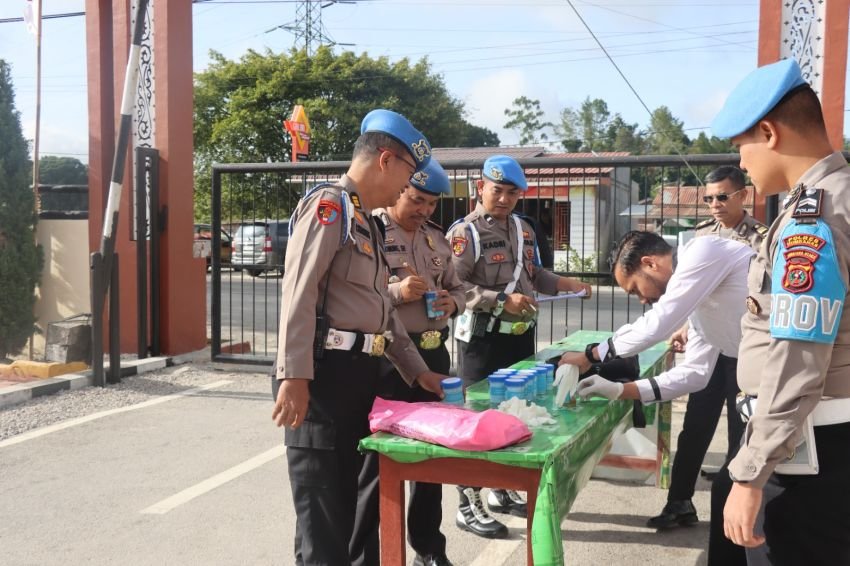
708 288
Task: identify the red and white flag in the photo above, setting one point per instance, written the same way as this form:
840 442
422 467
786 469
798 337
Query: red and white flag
31 12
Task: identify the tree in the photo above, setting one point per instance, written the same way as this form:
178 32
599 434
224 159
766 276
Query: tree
704 144
666 133
526 118
20 258
593 128
55 170
240 106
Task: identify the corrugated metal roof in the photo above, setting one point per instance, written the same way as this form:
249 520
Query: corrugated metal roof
675 201
582 171
443 153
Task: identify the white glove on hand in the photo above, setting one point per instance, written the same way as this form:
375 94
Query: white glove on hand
599 386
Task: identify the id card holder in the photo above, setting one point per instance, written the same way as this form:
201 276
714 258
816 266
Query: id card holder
804 460
463 326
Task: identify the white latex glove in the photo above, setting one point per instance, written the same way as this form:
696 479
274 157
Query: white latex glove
566 379
599 386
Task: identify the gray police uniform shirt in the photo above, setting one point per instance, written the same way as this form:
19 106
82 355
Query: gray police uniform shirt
487 277
357 295
428 252
790 376
749 230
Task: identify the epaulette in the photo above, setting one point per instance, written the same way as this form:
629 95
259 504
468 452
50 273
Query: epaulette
808 204
760 228
433 224
705 224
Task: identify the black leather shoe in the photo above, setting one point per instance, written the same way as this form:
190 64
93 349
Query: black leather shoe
431 560
472 516
675 513
507 501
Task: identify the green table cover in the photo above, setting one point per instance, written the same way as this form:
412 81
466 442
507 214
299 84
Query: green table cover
565 452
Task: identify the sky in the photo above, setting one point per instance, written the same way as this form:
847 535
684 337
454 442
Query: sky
684 54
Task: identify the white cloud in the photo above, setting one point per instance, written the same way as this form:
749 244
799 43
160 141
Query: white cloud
58 141
488 97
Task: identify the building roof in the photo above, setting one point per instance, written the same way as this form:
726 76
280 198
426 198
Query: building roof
582 171
676 201
444 153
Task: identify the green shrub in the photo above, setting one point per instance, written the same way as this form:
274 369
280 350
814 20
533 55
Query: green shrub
20 258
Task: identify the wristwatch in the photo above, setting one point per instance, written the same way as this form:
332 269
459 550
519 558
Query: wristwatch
588 353
500 303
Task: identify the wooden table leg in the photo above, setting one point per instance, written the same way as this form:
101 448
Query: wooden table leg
392 513
531 501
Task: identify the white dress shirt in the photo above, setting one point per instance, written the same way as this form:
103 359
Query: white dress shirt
709 288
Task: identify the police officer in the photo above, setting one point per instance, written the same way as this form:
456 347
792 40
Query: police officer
495 254
725 193
795 349
420 263
337 321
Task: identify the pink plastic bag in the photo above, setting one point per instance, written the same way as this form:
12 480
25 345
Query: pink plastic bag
447 425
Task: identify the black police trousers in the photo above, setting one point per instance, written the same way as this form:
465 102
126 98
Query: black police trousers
806 519
324 463
701 418
425 508
482 356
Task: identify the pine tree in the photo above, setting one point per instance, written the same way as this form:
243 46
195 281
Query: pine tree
20 258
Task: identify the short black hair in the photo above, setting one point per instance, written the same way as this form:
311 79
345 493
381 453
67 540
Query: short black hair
735 176
370 142
633 246
799 110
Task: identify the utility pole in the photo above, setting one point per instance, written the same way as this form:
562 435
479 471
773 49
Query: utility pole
307 28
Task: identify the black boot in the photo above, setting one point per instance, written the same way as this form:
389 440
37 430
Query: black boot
507 501
675 513
472 516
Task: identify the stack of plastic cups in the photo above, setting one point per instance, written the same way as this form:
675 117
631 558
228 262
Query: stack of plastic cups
514 387
530 377
453 390
497 388
546 382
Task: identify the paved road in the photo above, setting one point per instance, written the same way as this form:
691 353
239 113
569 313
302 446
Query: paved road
198 477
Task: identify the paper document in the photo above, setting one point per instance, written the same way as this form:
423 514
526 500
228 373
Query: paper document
562 296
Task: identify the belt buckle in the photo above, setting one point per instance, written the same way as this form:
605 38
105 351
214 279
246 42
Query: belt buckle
430 340
378 345
518 328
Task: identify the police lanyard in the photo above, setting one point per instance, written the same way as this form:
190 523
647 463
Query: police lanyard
518 269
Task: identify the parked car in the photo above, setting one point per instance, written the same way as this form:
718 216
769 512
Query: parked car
260 246
204 232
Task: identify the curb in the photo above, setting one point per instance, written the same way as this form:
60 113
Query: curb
16 394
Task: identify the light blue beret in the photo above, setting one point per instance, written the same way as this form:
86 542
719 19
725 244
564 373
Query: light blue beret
504 169
432 179
400 129
755 96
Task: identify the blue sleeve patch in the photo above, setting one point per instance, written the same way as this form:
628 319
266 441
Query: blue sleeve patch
807 288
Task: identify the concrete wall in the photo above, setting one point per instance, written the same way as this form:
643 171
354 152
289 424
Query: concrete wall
64 288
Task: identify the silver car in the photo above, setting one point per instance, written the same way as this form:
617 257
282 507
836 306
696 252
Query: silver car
260 246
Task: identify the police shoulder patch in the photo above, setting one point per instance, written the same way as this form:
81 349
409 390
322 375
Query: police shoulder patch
807 288
328 211
809 204
459 245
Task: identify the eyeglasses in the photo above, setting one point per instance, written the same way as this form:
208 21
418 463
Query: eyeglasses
397 156
722 197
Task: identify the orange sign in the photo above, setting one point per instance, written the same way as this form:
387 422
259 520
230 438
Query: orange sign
299 128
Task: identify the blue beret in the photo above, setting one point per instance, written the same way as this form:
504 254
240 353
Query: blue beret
504 169
432 179
755 96
400 129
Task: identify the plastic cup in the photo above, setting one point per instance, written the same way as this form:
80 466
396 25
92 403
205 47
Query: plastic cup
453 391
497 388
430 297
514 387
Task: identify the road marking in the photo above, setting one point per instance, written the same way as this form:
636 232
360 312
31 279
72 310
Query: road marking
500 550
23 437
212 483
